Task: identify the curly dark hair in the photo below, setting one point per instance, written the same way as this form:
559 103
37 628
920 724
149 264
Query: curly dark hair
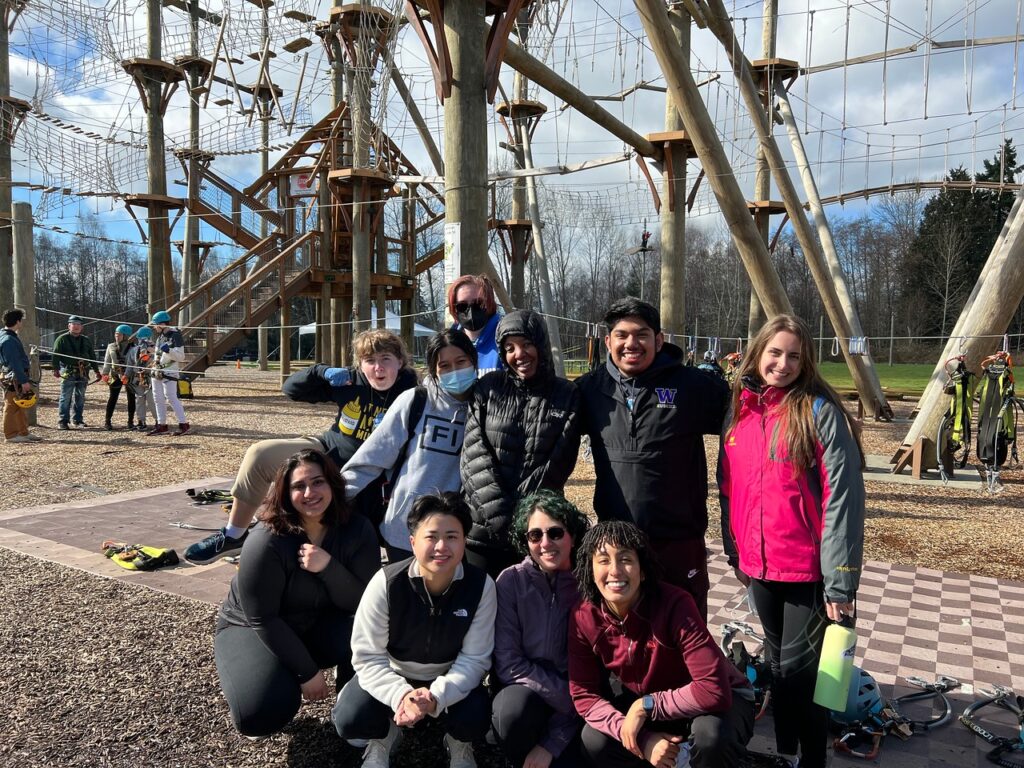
621 535
279 514
555 506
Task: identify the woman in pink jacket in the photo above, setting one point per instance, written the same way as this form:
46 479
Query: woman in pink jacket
792 492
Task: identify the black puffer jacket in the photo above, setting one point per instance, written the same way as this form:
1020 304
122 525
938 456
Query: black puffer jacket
520 435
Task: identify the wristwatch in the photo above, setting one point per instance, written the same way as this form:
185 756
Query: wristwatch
648 705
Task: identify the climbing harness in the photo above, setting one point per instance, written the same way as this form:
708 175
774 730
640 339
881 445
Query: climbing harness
753 665
881 718
209 496
136 557
997 417
1002 746
731 365
710 362
953 441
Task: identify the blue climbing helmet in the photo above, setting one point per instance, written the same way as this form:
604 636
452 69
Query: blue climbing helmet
862 702
145 332
124 330
161 318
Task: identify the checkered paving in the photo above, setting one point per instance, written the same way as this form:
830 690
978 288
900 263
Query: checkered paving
916 622
912 621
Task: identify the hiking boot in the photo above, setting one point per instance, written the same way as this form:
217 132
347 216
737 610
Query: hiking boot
213 547
108 426
159 429
34 438
182 429
460 753
63 426
19 439
141 426
378 751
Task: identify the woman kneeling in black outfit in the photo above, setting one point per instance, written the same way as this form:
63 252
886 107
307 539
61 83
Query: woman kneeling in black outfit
289 612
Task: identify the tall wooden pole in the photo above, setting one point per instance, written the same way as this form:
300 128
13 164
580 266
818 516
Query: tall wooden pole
762 173
701 131
362 247
161 282
409 266
417 118
987 312
338 311
828 245
189 278
673 217
261 103
465 134
24 275
518 237
6 264
865 379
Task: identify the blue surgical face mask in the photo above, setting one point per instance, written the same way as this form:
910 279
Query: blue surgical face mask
457 382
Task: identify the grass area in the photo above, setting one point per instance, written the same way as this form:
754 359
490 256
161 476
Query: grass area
909 378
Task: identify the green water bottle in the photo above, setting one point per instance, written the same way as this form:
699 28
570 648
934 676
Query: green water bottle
835 669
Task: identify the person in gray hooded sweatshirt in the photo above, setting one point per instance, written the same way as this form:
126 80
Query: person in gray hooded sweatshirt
420 438
522 434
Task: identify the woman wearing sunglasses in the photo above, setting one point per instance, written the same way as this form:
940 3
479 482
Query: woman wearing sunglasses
533 716
474 309
522 434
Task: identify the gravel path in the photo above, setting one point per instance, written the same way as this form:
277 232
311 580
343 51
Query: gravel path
101 673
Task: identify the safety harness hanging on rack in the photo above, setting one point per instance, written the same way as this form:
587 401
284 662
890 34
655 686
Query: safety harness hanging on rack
954 437
997 416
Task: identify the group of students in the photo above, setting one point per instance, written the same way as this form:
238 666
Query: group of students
500 610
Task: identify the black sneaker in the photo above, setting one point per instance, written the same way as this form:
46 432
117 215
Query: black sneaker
213 547
63 426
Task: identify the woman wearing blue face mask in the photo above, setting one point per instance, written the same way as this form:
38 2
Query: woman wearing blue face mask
418 443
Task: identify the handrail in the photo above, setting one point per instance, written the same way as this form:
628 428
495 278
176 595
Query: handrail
223 274
259 207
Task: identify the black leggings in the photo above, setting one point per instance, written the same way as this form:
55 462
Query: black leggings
520 720
794 621
262 693
115 391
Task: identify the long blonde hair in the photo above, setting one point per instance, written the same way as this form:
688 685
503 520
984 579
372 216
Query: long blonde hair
797 422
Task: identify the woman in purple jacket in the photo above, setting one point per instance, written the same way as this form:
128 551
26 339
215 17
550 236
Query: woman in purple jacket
533 715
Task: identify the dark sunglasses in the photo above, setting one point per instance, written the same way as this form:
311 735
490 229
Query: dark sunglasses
555 533
465 306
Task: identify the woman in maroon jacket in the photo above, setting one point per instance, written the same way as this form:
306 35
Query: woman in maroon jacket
679 692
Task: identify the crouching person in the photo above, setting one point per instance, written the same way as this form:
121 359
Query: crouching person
422 642
679 692
289 612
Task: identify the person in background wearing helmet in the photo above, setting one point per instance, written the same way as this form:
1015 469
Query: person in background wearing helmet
474 309
139 358
73 356
170 354
792 495
115 373
17 386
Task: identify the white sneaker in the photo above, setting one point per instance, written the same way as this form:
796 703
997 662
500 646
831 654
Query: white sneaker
378 751
460 753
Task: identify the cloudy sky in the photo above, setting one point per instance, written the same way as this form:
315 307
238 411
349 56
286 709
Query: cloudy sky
911 116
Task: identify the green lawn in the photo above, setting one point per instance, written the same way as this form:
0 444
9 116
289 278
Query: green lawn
909 378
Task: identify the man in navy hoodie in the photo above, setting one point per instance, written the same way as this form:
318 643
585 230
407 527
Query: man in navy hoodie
646 415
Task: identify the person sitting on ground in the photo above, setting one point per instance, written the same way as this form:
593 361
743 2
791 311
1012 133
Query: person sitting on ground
417 444
115 373
533 716
473 307
138 360
73 356
290 609
401 677
363 395
170 355
676 682
522 434
17 385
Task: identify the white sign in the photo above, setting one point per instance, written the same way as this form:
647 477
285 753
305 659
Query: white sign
452 252
302 184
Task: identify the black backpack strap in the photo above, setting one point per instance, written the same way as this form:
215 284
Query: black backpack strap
419 404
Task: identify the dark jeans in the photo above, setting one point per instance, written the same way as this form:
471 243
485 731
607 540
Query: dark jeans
491 559
719 740
358 715
520 718
262 693
115 391
794 621
72 389
685 564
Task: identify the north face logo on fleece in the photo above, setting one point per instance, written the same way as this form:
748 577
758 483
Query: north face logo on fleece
666 397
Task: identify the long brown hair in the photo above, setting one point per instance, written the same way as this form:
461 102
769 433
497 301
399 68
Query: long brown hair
797 422
279 514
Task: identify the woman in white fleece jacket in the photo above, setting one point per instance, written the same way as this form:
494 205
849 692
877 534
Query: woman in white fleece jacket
420 437
422 642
